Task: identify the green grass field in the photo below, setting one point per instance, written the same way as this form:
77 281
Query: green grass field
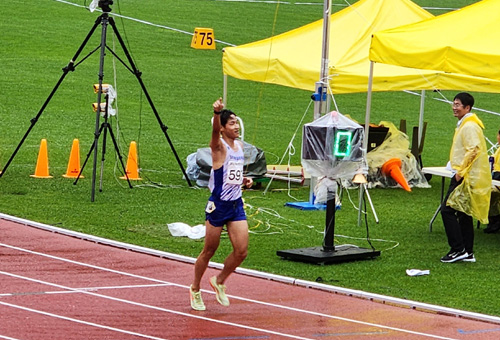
38 39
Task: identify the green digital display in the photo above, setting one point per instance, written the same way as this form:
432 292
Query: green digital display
342 143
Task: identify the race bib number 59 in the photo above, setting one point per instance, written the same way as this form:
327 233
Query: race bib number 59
235 173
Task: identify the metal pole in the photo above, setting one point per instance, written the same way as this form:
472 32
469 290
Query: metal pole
224 90
421 118
104 23
328 241
367 131
322 85
323 77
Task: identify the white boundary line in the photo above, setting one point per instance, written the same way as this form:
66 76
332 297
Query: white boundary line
91 289
87 291
278 278
139 305
144 22
7 337
450 102
281 2
119 330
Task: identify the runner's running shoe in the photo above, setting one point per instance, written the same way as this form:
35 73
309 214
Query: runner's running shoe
220 291
196 300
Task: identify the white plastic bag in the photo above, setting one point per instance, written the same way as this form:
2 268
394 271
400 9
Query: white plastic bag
182 229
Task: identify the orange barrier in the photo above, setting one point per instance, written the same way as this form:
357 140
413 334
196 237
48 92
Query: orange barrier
132 168
42 164
393 168
74 161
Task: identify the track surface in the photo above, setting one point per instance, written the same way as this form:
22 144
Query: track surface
55 287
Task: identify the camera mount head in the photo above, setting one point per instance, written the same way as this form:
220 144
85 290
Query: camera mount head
104 5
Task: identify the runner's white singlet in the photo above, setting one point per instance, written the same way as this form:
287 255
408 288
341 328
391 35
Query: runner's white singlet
225 182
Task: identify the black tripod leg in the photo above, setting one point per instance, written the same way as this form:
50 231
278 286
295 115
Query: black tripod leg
88 154
104 21
103 158
106 125
138 76
119 154
69 67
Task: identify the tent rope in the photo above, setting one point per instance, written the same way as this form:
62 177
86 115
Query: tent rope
290 151
261 91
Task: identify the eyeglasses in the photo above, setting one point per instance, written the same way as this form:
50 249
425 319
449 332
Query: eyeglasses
456 105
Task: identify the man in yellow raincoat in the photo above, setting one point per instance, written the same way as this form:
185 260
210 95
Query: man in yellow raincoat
469 192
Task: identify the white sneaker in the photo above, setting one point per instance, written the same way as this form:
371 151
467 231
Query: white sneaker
470 258
454 256
196 300
220 291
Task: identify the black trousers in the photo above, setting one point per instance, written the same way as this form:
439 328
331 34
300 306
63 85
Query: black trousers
458 225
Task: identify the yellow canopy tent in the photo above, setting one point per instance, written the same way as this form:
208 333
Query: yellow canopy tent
463 42
294 58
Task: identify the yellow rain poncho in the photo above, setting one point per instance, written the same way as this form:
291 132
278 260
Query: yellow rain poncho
469 157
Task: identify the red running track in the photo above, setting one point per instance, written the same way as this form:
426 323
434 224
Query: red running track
54 286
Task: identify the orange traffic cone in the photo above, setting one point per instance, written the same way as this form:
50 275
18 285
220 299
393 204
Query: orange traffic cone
393 168
74 161
132 168
42 164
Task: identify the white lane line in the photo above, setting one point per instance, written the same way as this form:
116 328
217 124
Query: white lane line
144 306
87 265
92 289
145 22
364 323
232 296
80 321
7 337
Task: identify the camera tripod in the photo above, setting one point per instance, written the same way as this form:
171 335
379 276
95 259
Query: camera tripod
105 127
104 20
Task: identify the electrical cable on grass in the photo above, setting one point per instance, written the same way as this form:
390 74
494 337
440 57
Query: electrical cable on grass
261 223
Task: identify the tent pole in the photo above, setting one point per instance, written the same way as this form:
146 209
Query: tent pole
421 118
367 130
323 77
322 85
368 106
224 90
